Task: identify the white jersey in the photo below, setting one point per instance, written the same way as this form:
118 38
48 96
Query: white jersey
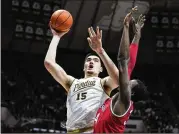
84 98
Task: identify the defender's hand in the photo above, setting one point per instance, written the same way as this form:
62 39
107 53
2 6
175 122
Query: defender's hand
94 39
139 25
128 17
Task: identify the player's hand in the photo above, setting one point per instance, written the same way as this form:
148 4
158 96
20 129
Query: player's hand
56 33
139 25
94 39
128 17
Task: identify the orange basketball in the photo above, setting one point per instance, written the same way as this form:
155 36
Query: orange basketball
61 20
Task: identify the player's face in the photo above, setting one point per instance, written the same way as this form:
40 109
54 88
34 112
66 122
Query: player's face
92 65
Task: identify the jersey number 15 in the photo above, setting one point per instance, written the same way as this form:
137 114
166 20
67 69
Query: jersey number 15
81 96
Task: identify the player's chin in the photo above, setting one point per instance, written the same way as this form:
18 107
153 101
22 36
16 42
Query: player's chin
90 71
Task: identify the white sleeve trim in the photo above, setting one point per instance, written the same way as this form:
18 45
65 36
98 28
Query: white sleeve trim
122 114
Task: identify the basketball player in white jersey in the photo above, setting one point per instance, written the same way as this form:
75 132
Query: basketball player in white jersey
85 95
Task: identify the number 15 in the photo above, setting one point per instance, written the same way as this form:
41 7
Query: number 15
81 96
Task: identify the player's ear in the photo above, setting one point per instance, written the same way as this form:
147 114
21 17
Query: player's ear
133 83
101 69
84 68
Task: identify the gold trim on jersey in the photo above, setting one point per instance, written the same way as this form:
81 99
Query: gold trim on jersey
80 130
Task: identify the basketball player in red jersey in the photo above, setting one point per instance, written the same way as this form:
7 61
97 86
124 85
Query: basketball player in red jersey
112 116
94 41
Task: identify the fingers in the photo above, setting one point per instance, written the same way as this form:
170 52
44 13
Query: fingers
91 32
142 25
138 19
128 17
133 20
101 32
97 30
134 9
51 27
133 24
89 41
141 20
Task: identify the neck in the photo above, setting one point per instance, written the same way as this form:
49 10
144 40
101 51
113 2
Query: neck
90 75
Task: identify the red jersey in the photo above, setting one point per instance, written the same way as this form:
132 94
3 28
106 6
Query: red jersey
132 60
108 122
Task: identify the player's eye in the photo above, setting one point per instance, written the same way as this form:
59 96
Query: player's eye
88 59
96 60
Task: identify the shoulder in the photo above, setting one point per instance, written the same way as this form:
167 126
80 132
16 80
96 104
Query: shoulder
126 114
70 82
107 84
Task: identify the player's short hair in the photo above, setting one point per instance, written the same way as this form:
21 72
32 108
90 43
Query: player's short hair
93 54
139 92
90 54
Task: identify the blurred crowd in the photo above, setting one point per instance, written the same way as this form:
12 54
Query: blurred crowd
39 103
156 117
35 100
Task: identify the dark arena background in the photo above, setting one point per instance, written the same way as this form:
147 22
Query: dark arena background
33 102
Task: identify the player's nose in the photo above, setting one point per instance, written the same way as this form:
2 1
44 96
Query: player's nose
91 62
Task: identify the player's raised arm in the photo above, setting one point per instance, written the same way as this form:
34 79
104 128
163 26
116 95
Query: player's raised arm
95 42
53 68
121 100
135 42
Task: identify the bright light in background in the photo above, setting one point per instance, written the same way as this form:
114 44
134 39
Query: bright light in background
46 130
36 129
51 130
43 130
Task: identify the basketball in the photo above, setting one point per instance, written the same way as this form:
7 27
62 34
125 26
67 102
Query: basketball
61 20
